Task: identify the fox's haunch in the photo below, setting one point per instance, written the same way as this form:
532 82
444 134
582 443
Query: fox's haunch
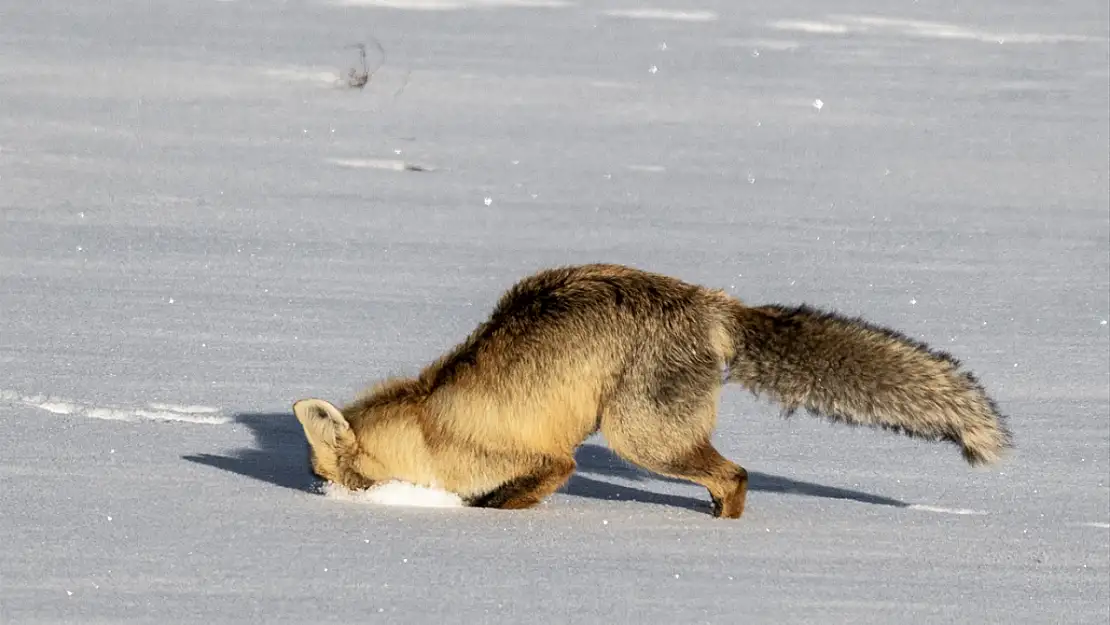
855 372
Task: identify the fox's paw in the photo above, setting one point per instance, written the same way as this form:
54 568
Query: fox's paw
731 506
723 510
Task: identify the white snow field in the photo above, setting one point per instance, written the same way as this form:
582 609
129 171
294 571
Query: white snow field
200 223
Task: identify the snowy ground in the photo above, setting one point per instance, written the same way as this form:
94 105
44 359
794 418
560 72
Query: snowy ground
200 226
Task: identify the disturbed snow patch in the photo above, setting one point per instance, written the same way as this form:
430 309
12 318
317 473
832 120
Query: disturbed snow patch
396 493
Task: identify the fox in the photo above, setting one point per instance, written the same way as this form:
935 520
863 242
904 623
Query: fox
640 357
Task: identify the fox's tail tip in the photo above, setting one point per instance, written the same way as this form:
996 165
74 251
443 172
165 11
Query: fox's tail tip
986 446
985 439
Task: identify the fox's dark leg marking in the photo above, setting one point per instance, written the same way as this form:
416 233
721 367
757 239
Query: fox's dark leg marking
513 489
726 481
527 490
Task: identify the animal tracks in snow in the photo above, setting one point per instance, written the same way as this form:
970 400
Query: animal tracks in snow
149 412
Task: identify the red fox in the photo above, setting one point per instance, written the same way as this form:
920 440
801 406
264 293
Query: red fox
638 356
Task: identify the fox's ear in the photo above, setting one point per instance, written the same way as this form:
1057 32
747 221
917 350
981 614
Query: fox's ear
323 423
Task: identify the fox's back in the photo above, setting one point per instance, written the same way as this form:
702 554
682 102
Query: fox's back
570 313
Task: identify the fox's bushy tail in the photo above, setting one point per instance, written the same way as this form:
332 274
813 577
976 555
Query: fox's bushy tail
855 372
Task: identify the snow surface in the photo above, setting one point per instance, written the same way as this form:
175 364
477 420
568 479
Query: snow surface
202 224
396 493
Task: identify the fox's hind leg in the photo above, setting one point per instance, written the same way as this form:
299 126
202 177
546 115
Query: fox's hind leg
673 440
530 488
726 481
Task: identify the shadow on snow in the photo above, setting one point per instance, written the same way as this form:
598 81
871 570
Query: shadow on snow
281 458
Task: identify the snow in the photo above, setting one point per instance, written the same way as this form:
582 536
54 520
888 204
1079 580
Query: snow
199 225
395 493
662 14
943 510
924 29
151 412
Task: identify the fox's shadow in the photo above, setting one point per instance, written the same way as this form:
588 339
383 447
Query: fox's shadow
281 455
281 458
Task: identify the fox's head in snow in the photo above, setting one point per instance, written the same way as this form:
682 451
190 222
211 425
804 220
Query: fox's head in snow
333 446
